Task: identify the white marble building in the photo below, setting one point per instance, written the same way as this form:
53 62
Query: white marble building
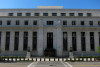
49 27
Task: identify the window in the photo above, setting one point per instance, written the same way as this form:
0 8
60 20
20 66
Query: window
91 22
63 14
54 14
98 22
34 46
19 14
37 14
8 22
71 14
73 22
64 22
49 22
92 47
99 38
10 14
26 22
35 22
65 45
7 42
0 22
83 44
45 14
82 22
80 14
17 22
0 39
89 14
28 14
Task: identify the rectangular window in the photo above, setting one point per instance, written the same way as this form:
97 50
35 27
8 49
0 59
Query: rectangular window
26 22
34 47
64 22
98 22
74 46
19 14
45 14
83 45
35 22
80 14
28 14
71 14
63 14
8 22
17 22
65 45
0 22
73 22
10 14
7 44
16 42
82 22
99 38
91 22
89 14
54 14
92 47
25 43
37 14
49 22
0 40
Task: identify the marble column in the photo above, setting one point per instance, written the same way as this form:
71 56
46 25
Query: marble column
69 40
3 39
21 41
87 36
30 33
12 36
40 39
96 40
78 36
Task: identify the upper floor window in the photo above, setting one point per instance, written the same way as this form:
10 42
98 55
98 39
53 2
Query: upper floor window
8 22
35 22
89 14
45 14
28 14
73 22
10 14
37 14
91 22
63 14
71 14
0 22
26 22
54 14
80 14
64 22
17 22
82 22
49 22
98 22
19 14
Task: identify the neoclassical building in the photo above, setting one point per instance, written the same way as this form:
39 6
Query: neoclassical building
49 27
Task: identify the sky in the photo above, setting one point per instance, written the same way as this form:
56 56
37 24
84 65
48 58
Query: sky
67 4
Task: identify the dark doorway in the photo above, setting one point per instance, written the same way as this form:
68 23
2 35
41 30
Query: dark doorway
50 40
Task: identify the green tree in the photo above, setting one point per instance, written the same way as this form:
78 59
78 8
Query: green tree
99 49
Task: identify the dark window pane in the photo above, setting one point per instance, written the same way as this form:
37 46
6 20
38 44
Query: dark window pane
63 14
64 22
80 14
35 22
37 14
19 14
28 14
10 14
73 22
89 14
26 22
8 22
91 22
17 22
71 14
0 22
82 22
49 22
45 14
34 41
65 41
54 14
98 22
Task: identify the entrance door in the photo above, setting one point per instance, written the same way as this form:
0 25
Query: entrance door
50 40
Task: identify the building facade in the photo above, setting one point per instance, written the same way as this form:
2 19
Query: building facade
49 27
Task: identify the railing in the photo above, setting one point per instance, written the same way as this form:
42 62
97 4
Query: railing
49 59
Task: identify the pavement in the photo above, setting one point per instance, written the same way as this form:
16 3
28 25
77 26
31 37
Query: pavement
50 64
